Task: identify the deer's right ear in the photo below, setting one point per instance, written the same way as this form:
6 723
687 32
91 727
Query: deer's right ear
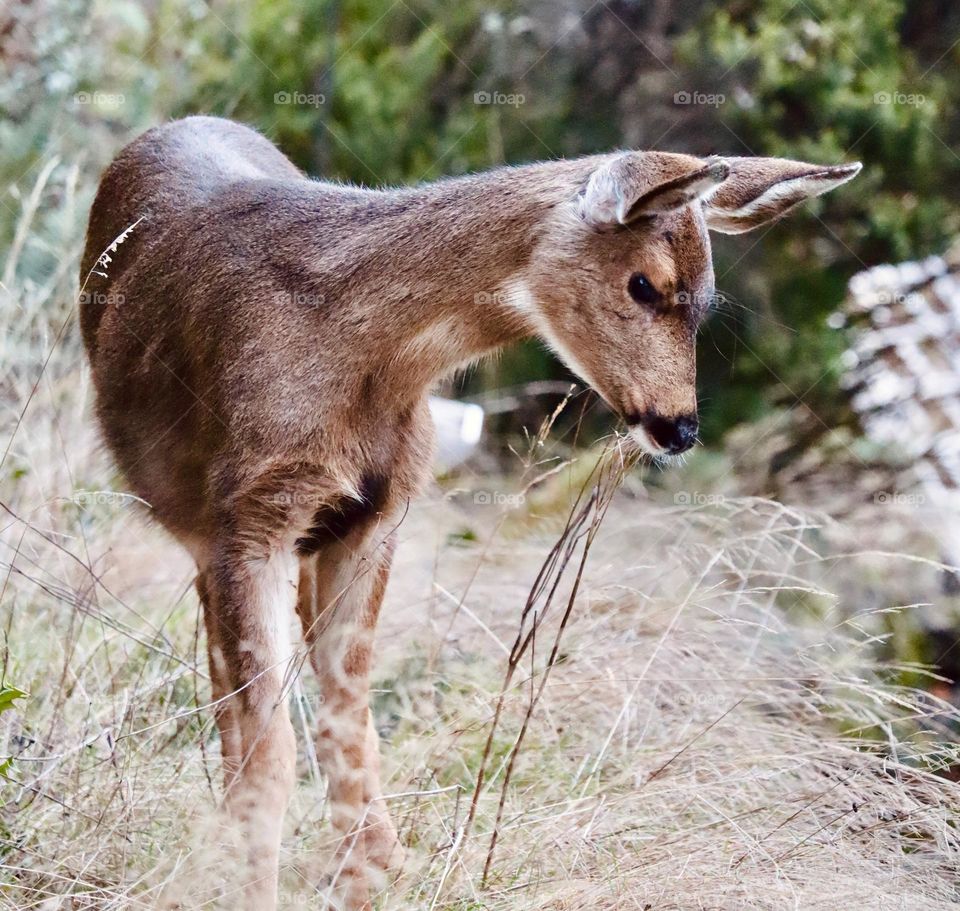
761 190
629 187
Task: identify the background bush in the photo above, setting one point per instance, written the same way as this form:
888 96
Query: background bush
378 92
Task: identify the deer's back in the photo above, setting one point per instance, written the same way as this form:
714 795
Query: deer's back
156 179
155 317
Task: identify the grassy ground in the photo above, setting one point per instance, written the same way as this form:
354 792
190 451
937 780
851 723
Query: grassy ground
714 734
716 730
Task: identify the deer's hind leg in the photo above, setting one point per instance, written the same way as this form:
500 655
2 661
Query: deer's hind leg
341 589
248 597
224 700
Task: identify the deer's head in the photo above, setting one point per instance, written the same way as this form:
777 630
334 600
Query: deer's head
619 289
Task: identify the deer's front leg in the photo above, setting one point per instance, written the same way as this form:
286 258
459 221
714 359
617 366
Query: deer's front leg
250 600
341 589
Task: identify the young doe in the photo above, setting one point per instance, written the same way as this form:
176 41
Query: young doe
262 347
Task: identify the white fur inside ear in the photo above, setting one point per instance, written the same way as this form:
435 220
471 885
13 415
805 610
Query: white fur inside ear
784 194
788 192
719 172
777 200
607 201
676 194
602 199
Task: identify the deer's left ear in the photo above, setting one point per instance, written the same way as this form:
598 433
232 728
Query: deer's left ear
634 185
760 190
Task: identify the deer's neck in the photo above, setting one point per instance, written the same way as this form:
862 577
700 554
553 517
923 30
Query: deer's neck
439 271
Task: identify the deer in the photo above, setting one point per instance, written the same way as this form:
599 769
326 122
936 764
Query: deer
262 345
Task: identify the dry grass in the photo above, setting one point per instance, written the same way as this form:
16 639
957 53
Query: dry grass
715 732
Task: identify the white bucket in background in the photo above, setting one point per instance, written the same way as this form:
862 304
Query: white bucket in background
459 428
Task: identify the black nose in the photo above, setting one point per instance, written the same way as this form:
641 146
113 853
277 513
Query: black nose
672 434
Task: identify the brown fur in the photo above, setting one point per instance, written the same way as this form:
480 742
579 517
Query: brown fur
262 346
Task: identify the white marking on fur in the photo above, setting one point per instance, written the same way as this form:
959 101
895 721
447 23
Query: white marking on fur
275 597
521 300
441 341
645 441
218 661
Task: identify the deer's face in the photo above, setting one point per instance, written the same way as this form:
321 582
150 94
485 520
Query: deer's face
621 287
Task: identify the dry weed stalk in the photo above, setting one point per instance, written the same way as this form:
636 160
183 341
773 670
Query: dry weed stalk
583 522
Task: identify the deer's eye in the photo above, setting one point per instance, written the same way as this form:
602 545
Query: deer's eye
642 290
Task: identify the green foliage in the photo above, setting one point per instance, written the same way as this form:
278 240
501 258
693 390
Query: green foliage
8 697
823 81
374 92
464 537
